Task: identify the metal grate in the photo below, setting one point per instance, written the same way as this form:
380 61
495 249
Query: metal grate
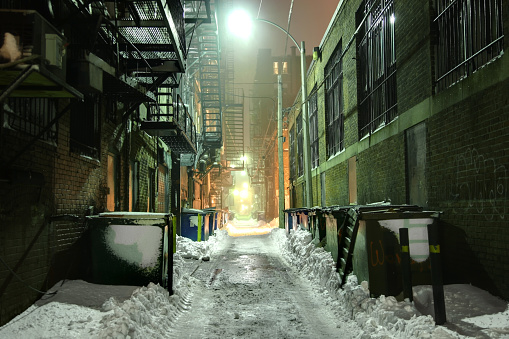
334 102
377 65
470 35
31 116
313 129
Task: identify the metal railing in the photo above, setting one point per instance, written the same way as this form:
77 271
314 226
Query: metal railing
377 58
184 120
470 35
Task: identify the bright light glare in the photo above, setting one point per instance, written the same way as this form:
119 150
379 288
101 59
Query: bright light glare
239 23
244 194
243 158
243 172
246 185
392 18
236 192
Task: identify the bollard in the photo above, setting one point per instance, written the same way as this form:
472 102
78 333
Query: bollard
172 225
405 264
436 274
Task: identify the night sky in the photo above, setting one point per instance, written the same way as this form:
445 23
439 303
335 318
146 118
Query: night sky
309 21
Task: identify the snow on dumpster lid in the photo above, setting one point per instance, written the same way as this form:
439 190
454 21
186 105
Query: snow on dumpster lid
134 215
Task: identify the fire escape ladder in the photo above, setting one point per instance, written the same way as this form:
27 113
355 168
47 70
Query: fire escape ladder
210 84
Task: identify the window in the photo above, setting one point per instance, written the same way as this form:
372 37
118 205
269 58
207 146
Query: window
300 148
151 190
275 66
377 66
313 128
134 184
470 34
85 127
113 191
334 102
292 154
285 67
31 116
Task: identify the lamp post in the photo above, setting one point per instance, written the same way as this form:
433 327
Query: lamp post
243 19
305 122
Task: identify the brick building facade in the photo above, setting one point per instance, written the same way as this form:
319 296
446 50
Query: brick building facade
422 117
45 187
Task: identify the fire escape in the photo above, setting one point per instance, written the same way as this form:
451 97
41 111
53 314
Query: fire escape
204 75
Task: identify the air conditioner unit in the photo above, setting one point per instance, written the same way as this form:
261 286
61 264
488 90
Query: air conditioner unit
36 36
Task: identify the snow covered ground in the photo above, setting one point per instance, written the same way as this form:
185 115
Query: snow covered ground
264 285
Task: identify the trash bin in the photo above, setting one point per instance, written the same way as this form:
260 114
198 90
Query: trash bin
292 218
211 217
194 224
317 225
377 253
131 248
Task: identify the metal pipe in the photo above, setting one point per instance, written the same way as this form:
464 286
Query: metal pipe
305 128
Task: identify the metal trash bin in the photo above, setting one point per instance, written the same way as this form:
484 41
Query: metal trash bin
377 253
131 248
194 224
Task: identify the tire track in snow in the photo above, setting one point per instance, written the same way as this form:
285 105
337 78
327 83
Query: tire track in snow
248 291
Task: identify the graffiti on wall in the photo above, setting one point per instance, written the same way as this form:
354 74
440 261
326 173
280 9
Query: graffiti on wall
478 181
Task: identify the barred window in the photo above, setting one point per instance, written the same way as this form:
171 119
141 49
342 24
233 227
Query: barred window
85 137
300 148
32 116
470 35
292 154
334 105
313 128
377 66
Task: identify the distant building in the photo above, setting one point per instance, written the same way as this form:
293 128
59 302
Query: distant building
263 115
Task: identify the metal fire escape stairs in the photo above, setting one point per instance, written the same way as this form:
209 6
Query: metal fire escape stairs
233 112
346 244
204 82
234 130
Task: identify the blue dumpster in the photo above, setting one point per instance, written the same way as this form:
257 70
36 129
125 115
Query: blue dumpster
194 224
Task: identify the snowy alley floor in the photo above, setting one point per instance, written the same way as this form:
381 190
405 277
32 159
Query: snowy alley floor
245 290
265 285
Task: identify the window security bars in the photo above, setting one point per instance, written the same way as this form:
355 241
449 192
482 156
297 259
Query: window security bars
334 102
292 154
300 146
470 35
313 129
31 116
377 67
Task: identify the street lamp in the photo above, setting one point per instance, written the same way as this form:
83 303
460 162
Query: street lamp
240 24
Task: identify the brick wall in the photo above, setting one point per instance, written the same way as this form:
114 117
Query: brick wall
50 180
381 172
412 36
468 180
336 185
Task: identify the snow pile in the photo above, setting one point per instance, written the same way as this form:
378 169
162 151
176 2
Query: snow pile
190 249
149 313
378 318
